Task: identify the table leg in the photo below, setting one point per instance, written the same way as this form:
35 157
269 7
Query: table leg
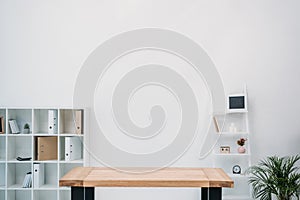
211 193
82 193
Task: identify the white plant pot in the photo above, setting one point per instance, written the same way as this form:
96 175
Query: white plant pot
25 131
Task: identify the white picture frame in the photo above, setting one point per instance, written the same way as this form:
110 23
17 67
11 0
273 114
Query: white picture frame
237 103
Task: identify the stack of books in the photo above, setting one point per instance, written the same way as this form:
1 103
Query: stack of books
27 183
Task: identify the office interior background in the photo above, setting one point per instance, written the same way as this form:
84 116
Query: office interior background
257 43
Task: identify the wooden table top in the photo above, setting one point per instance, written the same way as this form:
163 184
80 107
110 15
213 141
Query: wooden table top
167 177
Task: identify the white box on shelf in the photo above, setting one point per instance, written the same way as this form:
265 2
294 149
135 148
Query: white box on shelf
52 121
38 175
72 148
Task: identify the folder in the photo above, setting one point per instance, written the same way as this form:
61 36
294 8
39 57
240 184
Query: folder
46 148
72 148
52 121
38 175
78 121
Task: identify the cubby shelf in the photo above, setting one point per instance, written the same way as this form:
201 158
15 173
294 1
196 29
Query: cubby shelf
12 171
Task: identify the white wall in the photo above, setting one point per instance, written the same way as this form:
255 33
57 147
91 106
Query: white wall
44 44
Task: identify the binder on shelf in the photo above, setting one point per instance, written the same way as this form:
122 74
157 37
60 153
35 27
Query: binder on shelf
52 121
72 148
46 148
38 175
78 121
14 126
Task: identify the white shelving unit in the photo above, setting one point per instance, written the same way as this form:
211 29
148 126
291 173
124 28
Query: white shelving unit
226 161
12 171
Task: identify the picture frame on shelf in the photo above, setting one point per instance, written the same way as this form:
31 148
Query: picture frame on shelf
237 103
2 131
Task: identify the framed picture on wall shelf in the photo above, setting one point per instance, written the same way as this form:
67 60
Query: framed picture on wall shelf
237 103
2 125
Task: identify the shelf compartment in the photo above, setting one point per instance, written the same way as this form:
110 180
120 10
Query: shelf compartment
238 120
46 148
2 175
50 177
2 148
62 142
2 194
22 116
19 195
16 174
45 194
20 146
41 122
226 164
68 123
3 126
232 143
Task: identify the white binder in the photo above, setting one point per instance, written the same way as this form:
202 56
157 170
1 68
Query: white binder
72 148
52 121
78 121
38 175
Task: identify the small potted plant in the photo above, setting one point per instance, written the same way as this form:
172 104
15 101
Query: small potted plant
241 143
26 129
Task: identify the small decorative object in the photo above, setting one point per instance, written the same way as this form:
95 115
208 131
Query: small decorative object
26 129
14 126
278 176
225 149
232 128
216 124
241 142
236 169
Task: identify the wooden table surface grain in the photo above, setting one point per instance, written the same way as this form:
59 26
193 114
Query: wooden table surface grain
167 177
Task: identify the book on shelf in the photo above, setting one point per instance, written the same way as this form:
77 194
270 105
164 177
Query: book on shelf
14 126
38 175
72 148
27 183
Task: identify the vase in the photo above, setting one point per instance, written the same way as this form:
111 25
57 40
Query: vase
241 149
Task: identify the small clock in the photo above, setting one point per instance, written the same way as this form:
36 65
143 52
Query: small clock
236 169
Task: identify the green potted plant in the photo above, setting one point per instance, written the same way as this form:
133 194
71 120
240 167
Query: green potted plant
277 176
26 129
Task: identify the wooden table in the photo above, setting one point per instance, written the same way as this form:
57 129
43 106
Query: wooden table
83 180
